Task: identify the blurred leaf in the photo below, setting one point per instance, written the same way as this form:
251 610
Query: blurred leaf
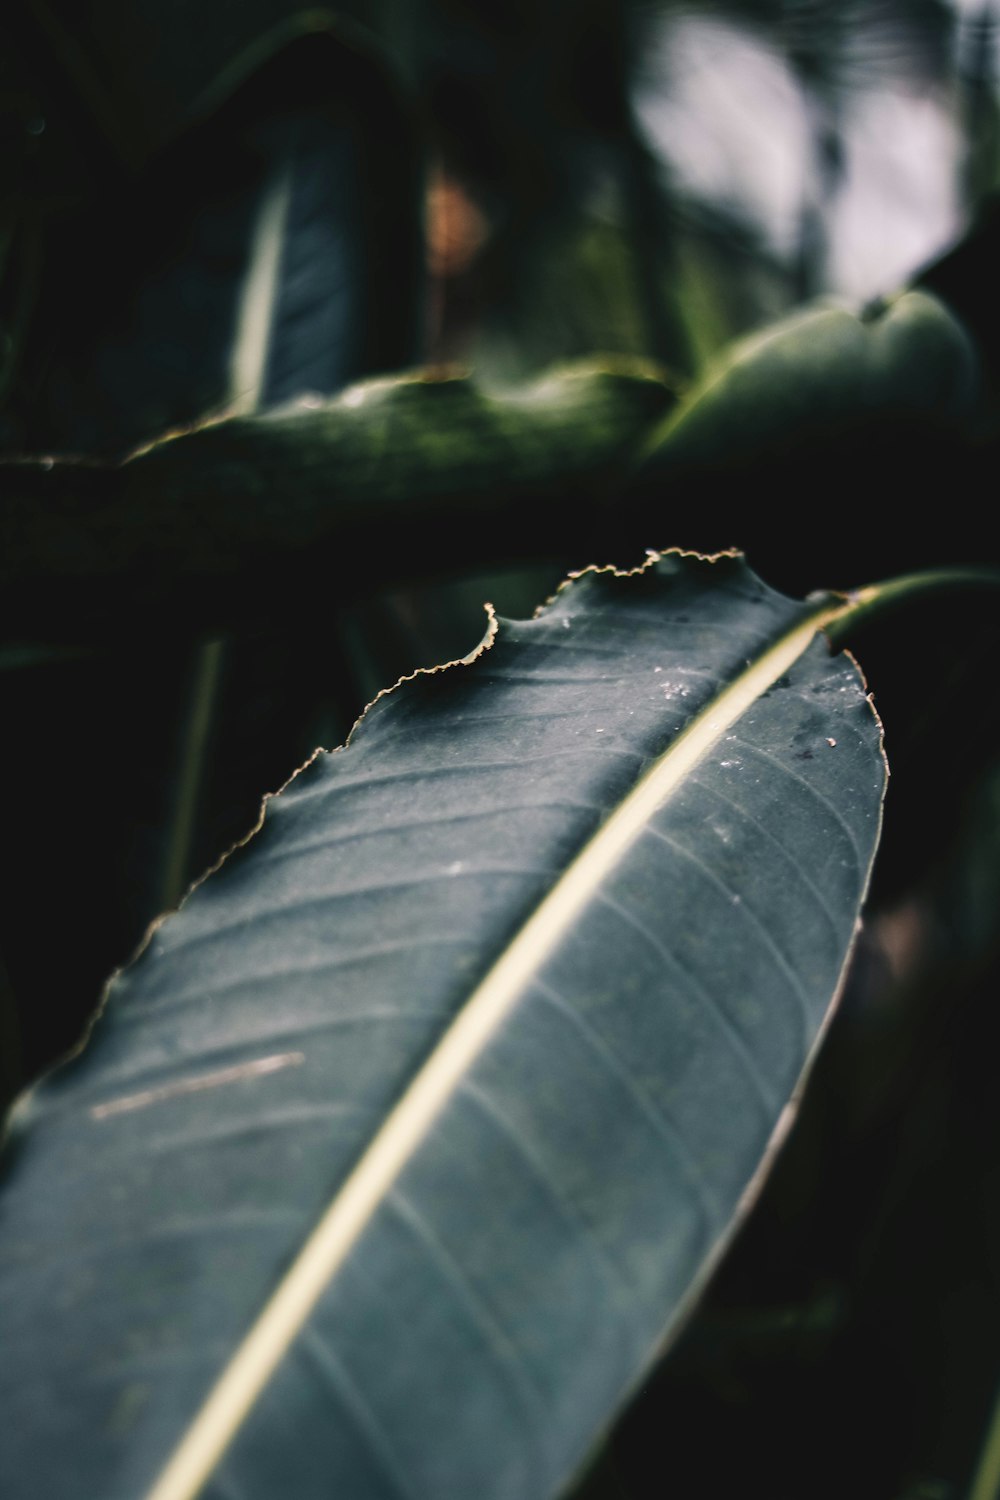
421 1125
867 419
247 517
821 374
134 82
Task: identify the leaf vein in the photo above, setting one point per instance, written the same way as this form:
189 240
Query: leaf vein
813 790
655 1115
352 1402
749 916
714 1005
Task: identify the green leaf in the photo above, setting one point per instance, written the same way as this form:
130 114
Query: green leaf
251 516
398 1154
817 377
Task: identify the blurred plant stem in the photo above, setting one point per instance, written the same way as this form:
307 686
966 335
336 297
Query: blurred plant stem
205 673
986 1480
977 66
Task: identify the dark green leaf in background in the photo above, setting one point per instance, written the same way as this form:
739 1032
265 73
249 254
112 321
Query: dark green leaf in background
821 377
249 516
419 1127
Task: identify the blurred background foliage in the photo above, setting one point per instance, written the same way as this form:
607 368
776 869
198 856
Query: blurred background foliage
675 174
500 185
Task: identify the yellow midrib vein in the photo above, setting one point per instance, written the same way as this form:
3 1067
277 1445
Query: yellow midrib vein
255 322
408 1123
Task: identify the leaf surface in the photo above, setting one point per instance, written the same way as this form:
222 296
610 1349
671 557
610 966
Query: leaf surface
396 1155
817 377
254 515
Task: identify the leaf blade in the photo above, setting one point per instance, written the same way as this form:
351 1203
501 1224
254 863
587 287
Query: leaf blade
497 1098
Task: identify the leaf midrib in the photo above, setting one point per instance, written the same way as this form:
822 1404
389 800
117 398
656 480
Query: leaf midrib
232 1398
